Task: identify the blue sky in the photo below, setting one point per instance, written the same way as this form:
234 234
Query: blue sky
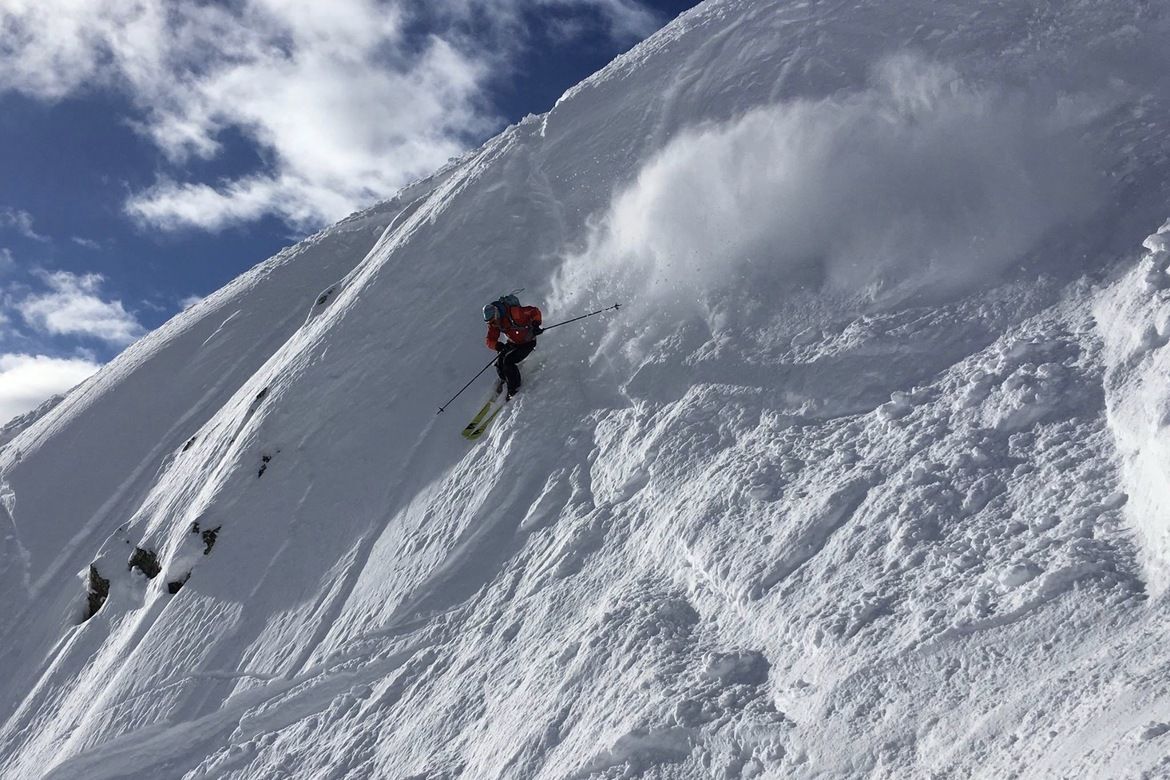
152 150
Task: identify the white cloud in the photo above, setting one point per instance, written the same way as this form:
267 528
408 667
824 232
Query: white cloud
16 219
88 243
345 100
72 306
28 380
7 261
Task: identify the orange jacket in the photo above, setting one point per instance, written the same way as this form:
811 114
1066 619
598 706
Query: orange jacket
517 326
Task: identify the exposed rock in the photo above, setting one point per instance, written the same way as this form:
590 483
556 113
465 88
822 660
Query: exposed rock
146 562
177 585
208 535
97 591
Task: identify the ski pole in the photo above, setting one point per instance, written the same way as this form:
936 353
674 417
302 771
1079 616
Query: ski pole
485 368
615 307
583 316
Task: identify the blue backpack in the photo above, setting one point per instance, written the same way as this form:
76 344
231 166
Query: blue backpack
505 303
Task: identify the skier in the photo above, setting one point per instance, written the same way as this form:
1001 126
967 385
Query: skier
521 324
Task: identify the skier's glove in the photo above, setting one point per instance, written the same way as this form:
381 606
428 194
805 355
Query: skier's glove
537 330
502 347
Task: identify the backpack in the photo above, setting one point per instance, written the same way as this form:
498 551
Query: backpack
505 303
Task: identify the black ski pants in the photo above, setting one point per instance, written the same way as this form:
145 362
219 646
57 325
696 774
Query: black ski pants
506 366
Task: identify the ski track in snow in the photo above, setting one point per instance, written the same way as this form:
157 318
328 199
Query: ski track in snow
757 524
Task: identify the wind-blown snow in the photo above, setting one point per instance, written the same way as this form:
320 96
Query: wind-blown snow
919 181
871 490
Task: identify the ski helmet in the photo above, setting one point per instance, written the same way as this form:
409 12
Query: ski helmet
490 312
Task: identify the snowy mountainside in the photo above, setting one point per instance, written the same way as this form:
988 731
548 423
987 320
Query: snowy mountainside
864 480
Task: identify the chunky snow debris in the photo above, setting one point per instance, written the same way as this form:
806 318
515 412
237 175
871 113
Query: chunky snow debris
1135 319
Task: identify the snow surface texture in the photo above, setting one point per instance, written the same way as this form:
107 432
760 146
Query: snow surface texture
866 478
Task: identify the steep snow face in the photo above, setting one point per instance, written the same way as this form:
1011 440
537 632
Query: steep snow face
848 487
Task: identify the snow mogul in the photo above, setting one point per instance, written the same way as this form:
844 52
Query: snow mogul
521 326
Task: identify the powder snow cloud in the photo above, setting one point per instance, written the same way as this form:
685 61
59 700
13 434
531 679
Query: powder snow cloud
922 181
347 101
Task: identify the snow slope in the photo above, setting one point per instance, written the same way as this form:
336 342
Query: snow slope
864 480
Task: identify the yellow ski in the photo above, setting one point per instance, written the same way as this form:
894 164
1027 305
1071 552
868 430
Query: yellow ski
471 434
482 419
